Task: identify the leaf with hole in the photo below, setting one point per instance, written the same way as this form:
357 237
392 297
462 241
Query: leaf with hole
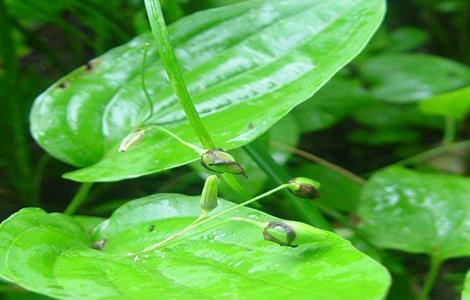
52 254
246 65
417 212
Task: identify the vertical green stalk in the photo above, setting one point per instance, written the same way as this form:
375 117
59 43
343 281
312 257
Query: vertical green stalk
14 136
450 131
79 198
434 266
303 208
168 58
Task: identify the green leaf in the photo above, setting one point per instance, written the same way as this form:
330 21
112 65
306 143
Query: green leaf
405 78
417 212
338 99
250 63
337 190
407 39
389 115
466 289
51 254
454 104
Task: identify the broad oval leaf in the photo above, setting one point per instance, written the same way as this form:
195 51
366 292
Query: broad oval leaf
51 254
417 212
403 78
246 65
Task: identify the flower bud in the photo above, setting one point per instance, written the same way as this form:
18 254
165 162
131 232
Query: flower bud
208 200
292 233
131 140
304 187
219 161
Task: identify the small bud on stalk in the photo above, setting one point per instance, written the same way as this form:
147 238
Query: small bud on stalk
209 194
219 161
292 233
305 187
131 140
288 233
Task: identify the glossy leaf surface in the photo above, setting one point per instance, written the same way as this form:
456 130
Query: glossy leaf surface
405 78
417 212
246 66
51 254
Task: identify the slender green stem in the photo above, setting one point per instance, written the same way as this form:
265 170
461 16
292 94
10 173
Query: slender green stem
193 147
434 152
320 161
303 208
187 228
79 198
169 61
195 224
450 131
434 267
142 82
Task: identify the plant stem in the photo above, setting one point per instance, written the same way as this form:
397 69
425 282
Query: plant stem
79 198
198 223
450 131
168 58
434 266
434 152
320 161
142 82
304 209
193 147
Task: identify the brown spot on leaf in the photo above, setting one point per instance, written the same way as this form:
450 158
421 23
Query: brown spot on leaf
251 126
151 228
91 65
62 85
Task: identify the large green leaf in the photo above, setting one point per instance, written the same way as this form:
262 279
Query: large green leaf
51 254
246 65
455 104
405 78
417 212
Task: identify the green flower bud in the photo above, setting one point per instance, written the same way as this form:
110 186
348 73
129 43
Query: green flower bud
304 187
131 140
209 194
292 233
219 161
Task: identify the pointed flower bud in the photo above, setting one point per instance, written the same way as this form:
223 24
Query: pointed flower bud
209 194
305 187
219 161
131 140
292 233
